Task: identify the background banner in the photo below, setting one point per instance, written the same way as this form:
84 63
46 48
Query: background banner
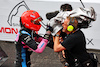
11 10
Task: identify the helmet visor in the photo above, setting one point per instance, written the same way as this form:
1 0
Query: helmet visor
36 21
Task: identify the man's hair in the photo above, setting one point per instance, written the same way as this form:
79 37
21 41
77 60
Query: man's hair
66 7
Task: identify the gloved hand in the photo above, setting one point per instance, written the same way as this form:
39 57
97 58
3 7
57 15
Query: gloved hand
49 29
47 36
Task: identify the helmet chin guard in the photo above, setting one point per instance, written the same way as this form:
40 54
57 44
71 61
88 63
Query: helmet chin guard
30 19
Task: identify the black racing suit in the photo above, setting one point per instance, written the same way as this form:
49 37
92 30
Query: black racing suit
22 52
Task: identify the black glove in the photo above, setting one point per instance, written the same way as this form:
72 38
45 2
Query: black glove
47 36
49 28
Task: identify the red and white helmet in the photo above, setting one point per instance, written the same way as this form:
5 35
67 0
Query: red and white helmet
30 19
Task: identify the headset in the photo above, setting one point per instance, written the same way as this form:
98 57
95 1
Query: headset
71 27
